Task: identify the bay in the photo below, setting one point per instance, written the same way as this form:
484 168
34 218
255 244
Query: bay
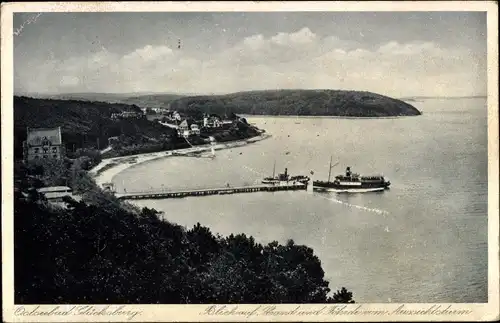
424 240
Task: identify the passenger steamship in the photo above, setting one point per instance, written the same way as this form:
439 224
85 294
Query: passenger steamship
352 182
285 178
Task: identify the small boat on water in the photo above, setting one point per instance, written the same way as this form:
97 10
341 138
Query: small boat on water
285 178
352 183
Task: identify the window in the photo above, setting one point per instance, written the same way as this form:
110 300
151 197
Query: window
36 150
45 150
36 157
55 156
54 149
45 156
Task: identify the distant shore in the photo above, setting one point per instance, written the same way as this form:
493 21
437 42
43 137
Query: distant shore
319 117
114 166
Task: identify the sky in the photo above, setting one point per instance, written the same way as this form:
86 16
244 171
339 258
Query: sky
392 53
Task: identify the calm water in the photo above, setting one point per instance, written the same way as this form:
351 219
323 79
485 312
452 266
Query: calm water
424 240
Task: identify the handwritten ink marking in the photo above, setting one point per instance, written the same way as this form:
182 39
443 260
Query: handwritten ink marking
30 20
107 310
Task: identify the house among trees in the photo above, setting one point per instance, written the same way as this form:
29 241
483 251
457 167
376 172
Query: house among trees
212 121
153 111
126 115
43 143
176 116
56 193
183 126
171 117
195 130
187 128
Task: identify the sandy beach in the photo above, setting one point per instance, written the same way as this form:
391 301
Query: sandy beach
118 164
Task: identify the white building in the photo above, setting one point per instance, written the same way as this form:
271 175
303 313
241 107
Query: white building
183 129
195 130
212 122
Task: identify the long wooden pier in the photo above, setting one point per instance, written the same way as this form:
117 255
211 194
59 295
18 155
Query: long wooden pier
210 191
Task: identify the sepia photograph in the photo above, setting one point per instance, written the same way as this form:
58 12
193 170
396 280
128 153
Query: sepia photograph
249 162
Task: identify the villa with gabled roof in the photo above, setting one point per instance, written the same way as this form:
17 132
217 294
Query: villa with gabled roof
43 143
184 125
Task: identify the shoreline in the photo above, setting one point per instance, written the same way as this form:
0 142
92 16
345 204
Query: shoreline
119 164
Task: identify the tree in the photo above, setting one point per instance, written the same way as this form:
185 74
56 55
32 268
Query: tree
110 252
34 196
341 296
93 155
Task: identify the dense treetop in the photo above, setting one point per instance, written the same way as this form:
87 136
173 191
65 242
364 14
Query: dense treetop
102 253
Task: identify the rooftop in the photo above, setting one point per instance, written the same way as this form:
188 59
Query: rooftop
36 136
54 189
58 195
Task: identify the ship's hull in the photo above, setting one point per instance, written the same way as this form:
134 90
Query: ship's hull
300 179
294 179
348 190
350 187
270 181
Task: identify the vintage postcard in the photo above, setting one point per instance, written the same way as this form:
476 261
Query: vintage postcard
250 161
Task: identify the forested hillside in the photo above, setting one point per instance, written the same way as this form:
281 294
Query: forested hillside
296 102
146 100
152 100
84 124
104 254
